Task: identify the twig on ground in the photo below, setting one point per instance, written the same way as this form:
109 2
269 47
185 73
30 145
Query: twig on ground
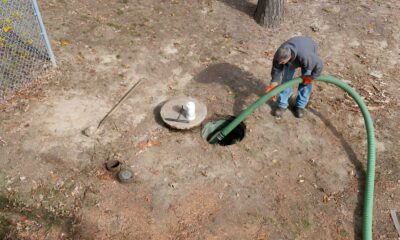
395 220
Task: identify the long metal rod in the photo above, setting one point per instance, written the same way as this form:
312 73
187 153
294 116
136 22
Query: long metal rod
119 102
43 32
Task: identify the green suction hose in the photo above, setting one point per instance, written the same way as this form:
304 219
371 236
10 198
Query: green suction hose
369 187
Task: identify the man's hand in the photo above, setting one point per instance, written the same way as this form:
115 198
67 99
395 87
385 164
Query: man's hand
271 86
307 79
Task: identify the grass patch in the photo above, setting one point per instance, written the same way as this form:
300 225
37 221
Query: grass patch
306 223
120 12
4 202
116 26
344 233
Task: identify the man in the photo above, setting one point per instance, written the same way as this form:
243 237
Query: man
297 52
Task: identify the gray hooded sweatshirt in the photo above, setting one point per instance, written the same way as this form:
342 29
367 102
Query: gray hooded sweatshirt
304 55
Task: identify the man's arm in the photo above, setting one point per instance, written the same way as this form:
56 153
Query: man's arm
313 64
276 71
319 65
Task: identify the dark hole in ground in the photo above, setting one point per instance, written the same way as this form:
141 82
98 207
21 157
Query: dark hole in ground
113 165
214 126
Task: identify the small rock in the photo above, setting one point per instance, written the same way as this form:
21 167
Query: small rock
301 179
312 162
315 27
89 131
354 43
221 195
173 185
10 181
380 146
58 185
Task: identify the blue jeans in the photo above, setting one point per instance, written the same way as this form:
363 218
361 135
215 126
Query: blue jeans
303 92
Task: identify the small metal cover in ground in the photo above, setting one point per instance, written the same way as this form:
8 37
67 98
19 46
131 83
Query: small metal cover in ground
125 176
173 115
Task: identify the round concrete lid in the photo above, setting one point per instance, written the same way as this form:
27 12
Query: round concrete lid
172 113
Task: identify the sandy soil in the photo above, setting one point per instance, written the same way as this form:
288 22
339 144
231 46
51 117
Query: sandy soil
288 178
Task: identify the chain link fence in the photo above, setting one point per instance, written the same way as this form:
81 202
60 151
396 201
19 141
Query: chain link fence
25 52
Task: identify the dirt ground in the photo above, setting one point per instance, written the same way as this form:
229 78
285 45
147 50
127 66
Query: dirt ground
287 179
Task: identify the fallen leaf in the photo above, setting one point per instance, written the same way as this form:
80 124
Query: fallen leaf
204 61
103 175
65 42
6 28
268 54
327 10
374 108
150 143
155 142
53 176
376 74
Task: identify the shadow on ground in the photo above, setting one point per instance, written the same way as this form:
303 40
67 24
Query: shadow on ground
18 221
357 216
157 114
242 84
243 6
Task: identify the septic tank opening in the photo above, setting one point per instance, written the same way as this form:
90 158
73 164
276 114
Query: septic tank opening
213 126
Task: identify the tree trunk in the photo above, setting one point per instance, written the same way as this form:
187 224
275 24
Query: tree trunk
269 13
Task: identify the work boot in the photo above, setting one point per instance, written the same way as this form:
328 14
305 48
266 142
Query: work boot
279 111
299 112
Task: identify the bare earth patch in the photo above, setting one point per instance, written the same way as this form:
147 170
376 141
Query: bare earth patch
287 179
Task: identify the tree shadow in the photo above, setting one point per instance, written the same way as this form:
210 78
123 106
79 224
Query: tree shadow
242 84
357 215
240 5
